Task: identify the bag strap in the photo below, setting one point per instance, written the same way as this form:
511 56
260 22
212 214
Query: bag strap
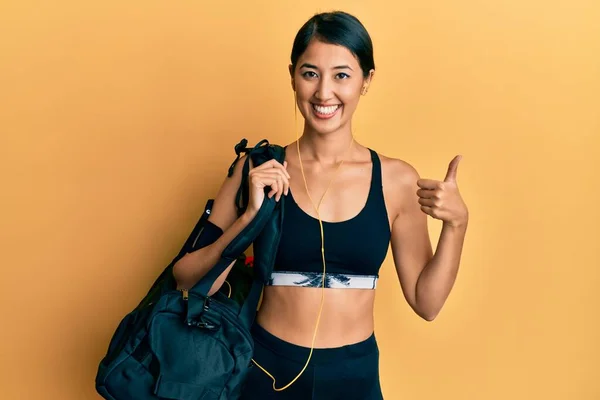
237 246
259 154
242 196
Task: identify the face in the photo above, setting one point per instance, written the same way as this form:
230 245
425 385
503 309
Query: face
328 82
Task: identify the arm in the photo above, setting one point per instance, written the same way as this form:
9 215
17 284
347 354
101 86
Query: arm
427 279
437 278
193 266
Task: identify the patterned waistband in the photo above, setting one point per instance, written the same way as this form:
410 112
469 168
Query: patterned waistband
315 279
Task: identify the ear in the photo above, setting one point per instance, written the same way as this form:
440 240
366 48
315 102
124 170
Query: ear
291 69
367 82
369 78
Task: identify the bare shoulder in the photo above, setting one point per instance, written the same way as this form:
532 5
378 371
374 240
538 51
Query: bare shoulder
399 180
224 211
397 174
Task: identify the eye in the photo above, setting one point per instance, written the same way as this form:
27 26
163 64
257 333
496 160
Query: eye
343 75
309 74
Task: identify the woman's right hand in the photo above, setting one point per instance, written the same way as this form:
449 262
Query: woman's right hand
272 174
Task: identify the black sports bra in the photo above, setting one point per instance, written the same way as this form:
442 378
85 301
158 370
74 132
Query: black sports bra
354 249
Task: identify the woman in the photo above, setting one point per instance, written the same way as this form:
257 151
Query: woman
359 201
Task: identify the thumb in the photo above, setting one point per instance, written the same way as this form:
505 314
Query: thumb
451 174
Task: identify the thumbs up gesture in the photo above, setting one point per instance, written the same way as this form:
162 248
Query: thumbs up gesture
442 200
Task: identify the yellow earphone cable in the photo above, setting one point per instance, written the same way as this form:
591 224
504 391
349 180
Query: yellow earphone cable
316 207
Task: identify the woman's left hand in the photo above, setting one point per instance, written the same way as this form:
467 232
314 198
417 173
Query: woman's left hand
442 200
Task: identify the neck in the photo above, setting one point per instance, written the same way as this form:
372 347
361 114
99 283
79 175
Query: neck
325 149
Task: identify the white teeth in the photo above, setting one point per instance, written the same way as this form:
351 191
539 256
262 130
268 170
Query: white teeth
325 110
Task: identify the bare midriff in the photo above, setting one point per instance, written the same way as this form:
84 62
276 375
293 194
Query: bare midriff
290 313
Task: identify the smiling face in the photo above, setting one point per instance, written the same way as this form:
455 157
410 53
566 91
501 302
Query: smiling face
328 81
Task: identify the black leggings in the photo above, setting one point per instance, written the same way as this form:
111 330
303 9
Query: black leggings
348 372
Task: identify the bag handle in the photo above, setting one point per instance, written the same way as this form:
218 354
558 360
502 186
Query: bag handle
245 238
242 196
237 246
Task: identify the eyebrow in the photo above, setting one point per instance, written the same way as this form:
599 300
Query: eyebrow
306 65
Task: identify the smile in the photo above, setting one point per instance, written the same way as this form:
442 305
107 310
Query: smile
325 112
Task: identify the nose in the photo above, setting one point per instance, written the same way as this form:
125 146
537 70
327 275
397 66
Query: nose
324 89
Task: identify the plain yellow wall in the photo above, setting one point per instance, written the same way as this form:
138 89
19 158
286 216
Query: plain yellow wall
118 120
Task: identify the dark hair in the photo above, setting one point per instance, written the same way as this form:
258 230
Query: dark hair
338 28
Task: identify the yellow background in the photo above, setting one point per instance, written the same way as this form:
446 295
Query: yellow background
118 120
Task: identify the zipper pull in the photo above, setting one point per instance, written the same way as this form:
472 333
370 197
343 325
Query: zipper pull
185 294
